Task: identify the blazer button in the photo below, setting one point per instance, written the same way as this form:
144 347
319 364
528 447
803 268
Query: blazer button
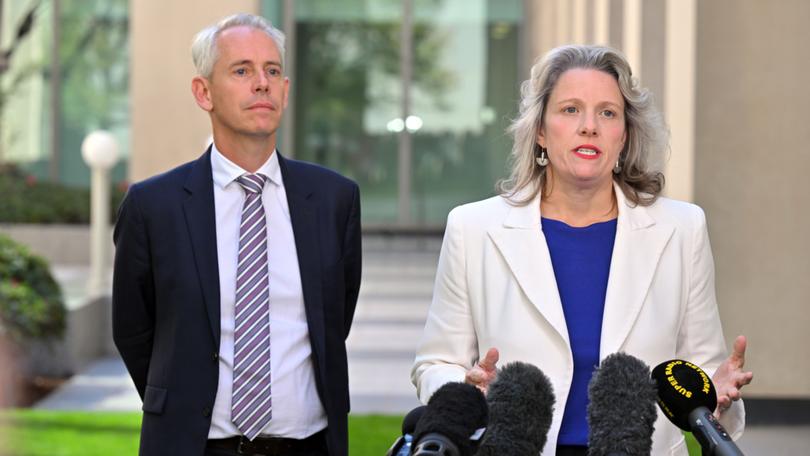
215 357
206 412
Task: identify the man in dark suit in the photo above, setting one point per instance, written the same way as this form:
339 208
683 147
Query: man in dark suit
236 275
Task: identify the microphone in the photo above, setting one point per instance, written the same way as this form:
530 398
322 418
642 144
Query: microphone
687 397
621 408
402 446
453 419
521 406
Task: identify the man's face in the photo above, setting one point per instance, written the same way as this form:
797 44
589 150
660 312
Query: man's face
247 91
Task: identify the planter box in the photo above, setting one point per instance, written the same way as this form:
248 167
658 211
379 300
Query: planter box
59 244
88 336
88 332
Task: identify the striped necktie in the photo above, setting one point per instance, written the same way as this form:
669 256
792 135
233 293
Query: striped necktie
251 404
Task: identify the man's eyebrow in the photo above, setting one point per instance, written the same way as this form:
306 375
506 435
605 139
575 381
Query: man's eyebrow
248 61
241 62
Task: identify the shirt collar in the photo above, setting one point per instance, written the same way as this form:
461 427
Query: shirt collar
225 171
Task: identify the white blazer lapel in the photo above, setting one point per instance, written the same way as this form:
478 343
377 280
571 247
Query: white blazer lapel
639 243
521 242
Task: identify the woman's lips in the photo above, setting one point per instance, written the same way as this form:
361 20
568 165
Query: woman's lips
587 151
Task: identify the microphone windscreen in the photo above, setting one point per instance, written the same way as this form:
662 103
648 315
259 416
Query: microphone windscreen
683 387
621 408
521 407
410 420
456 411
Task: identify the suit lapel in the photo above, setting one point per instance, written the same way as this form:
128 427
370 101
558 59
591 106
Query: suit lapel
639 244
200 218
638 247
304 218
522 244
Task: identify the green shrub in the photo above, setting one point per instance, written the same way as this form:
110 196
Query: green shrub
24 199
31 304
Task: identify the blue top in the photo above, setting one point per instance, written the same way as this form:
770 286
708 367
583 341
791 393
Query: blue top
581 261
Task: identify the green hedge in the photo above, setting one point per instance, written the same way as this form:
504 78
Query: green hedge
24 199
31 304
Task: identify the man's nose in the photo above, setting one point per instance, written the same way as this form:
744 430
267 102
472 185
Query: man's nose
262 83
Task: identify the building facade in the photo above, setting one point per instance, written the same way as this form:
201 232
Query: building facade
411 99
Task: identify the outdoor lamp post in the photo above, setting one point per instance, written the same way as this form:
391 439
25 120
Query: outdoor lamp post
100 152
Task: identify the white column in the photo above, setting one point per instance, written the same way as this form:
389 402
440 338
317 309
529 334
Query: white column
601 22
631 35
579 19
548 27
679 97
563 22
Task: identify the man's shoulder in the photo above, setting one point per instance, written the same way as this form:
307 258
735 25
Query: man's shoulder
164 187
312 172
171 179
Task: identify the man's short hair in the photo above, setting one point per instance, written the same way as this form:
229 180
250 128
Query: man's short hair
204 51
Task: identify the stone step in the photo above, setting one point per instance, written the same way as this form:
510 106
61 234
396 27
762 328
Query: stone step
380 377
389 311
385 339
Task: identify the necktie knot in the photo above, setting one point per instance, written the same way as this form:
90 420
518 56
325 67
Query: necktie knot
252 183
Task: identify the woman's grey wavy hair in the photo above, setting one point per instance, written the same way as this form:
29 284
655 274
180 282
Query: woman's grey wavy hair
204 47
647 137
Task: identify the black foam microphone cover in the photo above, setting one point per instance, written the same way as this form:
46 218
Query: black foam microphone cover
412 418
682 388
455 411
521 407
621 408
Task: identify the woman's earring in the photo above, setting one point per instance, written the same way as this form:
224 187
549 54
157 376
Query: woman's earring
542 159
618 168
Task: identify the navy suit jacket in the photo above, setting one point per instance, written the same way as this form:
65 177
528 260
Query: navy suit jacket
166 302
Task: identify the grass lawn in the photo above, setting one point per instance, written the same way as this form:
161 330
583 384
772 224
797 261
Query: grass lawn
41 433
49 433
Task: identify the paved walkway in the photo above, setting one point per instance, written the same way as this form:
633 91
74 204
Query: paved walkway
397 283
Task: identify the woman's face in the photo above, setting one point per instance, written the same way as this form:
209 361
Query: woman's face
583 128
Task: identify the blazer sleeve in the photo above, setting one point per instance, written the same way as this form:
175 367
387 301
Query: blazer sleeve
701 338
133 295
353 254
448 347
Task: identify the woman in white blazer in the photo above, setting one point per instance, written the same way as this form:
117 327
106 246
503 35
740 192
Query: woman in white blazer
583 142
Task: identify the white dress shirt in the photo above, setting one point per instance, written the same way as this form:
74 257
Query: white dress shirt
297 409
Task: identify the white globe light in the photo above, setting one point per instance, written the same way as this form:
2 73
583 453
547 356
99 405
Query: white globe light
413 123
395 125
100 149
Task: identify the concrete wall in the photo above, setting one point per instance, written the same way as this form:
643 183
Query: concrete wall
168 128
88 336
59 244
731 79
753 109
739 107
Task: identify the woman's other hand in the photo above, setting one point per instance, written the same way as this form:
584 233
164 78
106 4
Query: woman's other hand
730 378
484 371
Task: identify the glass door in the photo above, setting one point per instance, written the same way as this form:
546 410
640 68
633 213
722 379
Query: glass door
408 98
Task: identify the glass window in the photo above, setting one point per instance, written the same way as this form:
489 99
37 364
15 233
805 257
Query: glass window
93 80
460 88
94 51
